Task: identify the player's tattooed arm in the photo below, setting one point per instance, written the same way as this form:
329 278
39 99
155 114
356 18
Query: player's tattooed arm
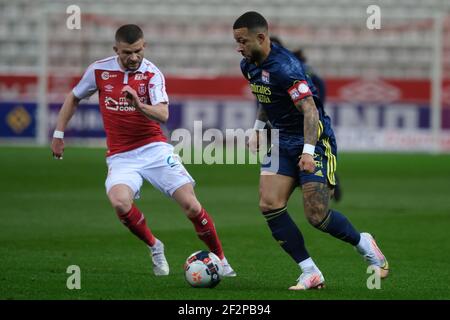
311 119
310 129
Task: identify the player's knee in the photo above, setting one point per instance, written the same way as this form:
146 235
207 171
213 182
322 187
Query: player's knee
315 215
267 205
314 220
192 208
120 204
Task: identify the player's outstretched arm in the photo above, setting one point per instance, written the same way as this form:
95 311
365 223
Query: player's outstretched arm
310 129
65 114
158 112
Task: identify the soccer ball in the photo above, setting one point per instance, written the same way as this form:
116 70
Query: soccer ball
203 269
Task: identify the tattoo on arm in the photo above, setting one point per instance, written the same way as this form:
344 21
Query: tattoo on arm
311 119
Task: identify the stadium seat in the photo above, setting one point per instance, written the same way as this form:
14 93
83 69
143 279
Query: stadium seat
197 36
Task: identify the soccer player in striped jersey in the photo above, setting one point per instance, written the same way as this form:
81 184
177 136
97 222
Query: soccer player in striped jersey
306 150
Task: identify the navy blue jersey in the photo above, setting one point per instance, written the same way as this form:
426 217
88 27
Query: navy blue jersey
278 83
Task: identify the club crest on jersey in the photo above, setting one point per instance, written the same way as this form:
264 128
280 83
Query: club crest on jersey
265 76
141 89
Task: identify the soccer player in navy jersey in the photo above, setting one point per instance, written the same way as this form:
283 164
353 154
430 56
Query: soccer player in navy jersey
306 150
320 85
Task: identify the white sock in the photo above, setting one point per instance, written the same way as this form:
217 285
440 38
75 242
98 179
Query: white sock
363 245
308 265
156 245
224 261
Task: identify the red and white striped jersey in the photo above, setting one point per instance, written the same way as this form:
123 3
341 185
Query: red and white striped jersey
126 127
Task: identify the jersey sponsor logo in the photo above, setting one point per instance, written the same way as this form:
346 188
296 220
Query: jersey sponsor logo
140 76
261 92
260 89
121 105
111 104
263 99
105 75
265 76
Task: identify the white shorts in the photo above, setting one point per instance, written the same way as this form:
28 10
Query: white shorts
154 162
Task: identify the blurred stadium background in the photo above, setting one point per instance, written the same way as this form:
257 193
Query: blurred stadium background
388 94
387 89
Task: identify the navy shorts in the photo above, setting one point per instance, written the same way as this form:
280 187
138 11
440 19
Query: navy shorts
284 160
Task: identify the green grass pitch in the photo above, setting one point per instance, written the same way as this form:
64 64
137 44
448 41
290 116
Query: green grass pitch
55 213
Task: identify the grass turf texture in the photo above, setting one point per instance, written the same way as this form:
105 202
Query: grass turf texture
55 214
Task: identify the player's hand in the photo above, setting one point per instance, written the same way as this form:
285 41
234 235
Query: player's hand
307 163
58 148
131 95
253 142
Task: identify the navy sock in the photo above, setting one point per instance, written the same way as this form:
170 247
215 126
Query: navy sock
336 224
287 234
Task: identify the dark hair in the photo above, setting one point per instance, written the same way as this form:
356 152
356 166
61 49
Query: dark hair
275 39
300 55
251 20
129 33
